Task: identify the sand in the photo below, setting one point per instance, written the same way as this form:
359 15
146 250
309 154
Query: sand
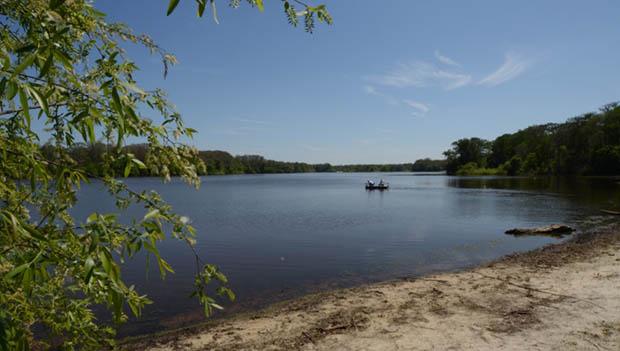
562 297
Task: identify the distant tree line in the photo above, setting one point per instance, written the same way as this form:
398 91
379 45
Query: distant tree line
422 165
222 162
585 145
91 157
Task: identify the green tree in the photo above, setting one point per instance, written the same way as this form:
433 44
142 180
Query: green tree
468 150
62 67
586 144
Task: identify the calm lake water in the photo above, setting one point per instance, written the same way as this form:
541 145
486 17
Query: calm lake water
280 236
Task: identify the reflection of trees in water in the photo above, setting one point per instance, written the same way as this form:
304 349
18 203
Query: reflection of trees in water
591 191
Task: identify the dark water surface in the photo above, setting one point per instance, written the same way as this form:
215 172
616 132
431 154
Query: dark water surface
279 236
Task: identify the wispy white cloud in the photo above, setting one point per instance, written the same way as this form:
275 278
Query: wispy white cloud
446 60
422 74
421 107
512 67
370 90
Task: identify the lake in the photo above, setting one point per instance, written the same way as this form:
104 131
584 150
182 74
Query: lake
280 236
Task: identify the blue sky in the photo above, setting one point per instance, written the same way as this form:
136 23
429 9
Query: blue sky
390 81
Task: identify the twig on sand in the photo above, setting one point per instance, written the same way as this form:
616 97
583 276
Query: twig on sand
308 337
415 279
338 327
436 280
598 347
353 323
538 290
422 327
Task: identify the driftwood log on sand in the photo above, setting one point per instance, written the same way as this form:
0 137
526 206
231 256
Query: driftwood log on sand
553 230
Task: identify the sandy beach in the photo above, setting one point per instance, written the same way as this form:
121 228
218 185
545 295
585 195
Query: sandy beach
564 296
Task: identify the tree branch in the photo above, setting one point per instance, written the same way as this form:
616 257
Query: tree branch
8 112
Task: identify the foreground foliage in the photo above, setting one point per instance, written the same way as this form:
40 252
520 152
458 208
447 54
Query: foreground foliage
293 9
63 69
585 145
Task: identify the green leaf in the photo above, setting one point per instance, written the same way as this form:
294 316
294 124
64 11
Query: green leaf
89 265
224 291
27 278
117 301
164 267
4 341
151 213
127 171
40 99
309 21
15 224
291 14
47 65
190 132
130 111
79 117
134 88
64 59
171 6
93 243
92 217
90 125
134 308
260 5
201 7
54 4
2 86
106 84
23 100
11 90
213 304
17 270
105 261
117 101
25 48
140 164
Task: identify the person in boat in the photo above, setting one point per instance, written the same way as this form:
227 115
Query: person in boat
381 183
370 182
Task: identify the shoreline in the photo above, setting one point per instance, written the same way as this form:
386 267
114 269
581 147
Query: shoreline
559 296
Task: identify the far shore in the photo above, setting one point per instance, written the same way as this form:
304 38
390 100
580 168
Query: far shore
563 296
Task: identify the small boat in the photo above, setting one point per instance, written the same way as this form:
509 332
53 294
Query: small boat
370 185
